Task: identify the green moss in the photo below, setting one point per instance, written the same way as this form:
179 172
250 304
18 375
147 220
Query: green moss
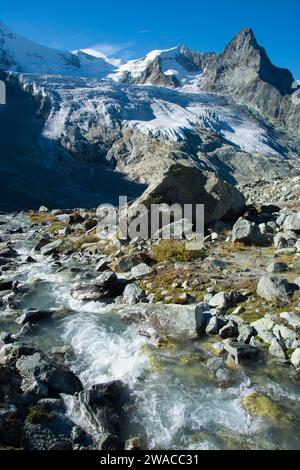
38 414
55 228
260 406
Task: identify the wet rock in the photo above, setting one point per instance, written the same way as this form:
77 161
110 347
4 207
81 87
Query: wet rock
203 317
248 233
58 379
229 331
133 294
295 358
102 407
6 285
242 352
260 406
4 261
106 287
5 338
9 353
29 259
8 253
51 248
277 267
35 315
274 288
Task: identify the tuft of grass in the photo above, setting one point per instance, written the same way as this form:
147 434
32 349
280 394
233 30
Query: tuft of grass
174 250
38 414
42 217
56 227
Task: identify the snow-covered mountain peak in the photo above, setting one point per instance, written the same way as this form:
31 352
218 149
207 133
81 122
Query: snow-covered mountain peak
18 54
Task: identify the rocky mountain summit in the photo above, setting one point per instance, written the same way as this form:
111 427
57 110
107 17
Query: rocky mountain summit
73 120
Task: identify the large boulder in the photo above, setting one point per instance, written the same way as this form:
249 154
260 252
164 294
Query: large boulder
248 233
133 294
292 222
185 185
274 288
106 287
36 369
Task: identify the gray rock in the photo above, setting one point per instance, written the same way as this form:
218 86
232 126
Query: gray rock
277 349
225 300
273 288
141 270
275 268
51 248
292 319
102 265
43 209
34 316
177 230
246 332
58 379
133 294
292 222
242 352
288 336
185 185
215 324
8 253
248 233
295 359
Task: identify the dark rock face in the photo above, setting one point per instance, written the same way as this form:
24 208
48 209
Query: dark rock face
244 71
102 407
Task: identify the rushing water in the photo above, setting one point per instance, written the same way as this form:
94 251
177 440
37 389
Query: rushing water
176 400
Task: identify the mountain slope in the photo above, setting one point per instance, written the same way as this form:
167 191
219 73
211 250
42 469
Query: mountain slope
72 118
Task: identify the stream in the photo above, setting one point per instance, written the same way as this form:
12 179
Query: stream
176 400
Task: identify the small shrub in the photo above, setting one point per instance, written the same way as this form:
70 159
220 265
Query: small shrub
174 250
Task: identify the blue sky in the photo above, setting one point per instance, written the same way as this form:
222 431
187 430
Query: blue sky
129 29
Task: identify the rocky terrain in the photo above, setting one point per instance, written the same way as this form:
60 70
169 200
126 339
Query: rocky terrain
96 333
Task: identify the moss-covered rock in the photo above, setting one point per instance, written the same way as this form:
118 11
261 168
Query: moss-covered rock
260 406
